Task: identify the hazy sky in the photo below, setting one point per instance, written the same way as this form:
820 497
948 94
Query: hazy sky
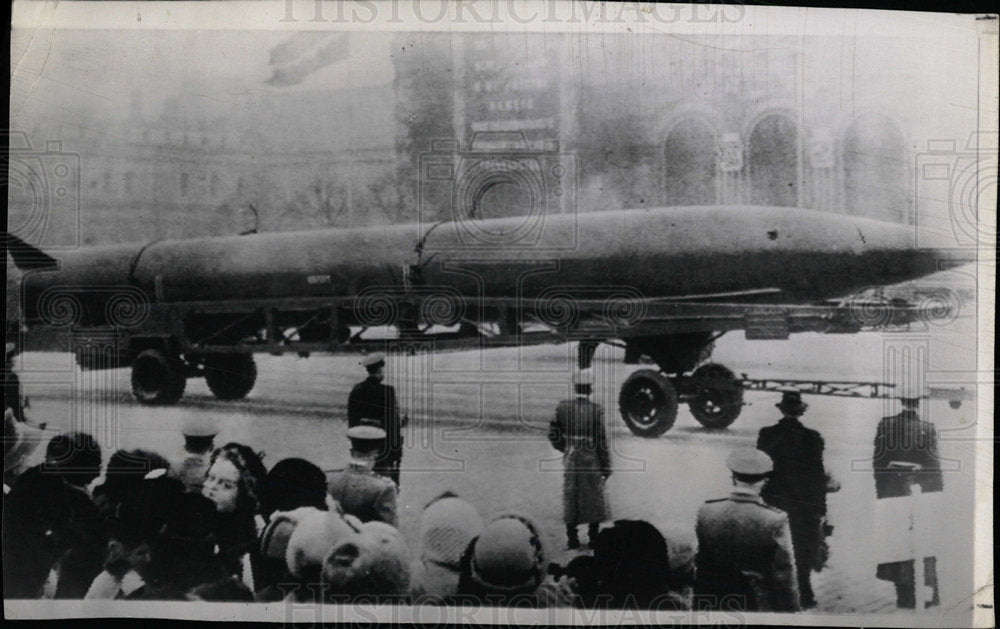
60 70
56 73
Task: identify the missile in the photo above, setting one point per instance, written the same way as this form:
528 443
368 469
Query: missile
800 256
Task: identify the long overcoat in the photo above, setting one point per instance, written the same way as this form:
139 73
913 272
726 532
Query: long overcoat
578 432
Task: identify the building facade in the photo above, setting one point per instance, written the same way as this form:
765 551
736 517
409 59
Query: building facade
665 121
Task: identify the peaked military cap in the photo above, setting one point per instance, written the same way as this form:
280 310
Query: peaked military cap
200 427
583 377
749 461
373 360
365 435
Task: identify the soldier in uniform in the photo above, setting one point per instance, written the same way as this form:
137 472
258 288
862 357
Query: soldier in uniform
798 484
374 403
745 556
360 491
578 432
906 439
190 466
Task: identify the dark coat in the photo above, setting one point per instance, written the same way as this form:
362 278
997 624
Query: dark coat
798 483
12 394
364 494
371 400
906 438
48 523
744 556
578 432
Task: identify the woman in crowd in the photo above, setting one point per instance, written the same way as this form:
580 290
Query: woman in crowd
505 565
162 545
233 484
289 485
447 526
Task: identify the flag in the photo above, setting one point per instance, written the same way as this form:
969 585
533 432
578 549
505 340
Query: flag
303 54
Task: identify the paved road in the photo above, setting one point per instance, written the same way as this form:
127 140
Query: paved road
478 428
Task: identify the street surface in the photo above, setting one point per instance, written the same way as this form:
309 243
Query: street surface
478 427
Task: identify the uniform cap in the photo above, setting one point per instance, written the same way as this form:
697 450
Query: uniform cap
363 435
200 427
749 461
582 377
10 348
373 360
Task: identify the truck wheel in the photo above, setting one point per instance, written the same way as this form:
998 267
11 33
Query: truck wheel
648 403
232 376
719 398
157 379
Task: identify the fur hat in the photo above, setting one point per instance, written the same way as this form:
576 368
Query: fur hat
373 562
508 556
314 534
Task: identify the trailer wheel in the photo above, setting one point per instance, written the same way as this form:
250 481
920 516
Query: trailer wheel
157 379
232 376
719 398
648 403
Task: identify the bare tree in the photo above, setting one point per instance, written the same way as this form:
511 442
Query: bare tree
324 203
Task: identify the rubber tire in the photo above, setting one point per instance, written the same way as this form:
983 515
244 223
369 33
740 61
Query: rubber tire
648 387
157 379
230 376
716 385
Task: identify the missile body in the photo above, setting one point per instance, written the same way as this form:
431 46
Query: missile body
654 253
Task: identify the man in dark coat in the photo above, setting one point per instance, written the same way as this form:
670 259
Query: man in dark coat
797 485
50 526
374 403
745 558
578 432
908 440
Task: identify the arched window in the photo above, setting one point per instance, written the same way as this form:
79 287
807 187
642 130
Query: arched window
875 164
689 164
772 161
